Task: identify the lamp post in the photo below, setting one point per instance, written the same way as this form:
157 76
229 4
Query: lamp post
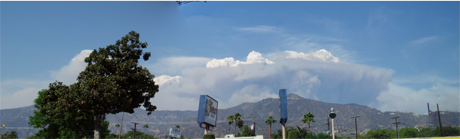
332 115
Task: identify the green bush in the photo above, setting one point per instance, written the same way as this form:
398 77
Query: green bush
293 135
209 136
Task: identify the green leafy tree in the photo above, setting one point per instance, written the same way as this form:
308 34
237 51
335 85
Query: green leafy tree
408 132
246 131
269 121
426 132
70 125
323 136
380 133
308 118
112 82
446 131
12 134
178 126
145 127
138 135
293 135
230 121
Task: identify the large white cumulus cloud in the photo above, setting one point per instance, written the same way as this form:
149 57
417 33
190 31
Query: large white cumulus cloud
316 75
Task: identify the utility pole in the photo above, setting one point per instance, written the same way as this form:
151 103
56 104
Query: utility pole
328 128
439 117
134 134
356 125
255 128
396 118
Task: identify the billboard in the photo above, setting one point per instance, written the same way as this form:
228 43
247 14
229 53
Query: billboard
283 106
173 132
207 111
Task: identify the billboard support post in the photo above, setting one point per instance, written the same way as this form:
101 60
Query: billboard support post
284 131
283 110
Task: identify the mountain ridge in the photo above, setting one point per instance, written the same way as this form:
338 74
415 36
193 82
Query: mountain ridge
161 120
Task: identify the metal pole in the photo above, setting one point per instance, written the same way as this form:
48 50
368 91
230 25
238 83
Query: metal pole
333 134
122 118
284 130
439 117
328 128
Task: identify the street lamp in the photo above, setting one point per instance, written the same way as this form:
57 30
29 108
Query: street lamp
332 115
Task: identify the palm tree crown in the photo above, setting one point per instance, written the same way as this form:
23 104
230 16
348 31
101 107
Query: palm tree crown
269 121
308 118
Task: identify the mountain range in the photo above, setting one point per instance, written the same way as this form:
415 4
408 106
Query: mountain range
161 120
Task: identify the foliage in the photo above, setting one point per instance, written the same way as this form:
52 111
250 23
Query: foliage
269 121
447 131
246 131
117 126
177 126
145 126
112 82
408 132
238 121
322 136
293 135
230 121
308 118
381 133
209 136
12 134
139 134
70 125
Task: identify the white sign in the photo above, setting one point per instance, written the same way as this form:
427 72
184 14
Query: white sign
173 132
211 111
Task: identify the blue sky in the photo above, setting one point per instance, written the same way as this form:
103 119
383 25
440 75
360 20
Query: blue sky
386 55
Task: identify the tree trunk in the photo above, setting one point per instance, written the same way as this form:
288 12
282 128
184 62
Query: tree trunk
308 127
270 130
97 126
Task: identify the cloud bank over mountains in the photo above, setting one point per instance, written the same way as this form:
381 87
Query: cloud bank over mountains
315 75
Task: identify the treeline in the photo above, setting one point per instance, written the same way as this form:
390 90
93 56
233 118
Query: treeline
410 132
407 132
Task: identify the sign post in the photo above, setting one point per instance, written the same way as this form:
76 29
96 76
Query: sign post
283 110
332 115
207 113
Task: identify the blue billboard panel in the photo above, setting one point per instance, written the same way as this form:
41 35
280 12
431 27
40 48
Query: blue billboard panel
207 111
283 106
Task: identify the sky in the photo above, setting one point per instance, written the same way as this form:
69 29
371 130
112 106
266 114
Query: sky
391 56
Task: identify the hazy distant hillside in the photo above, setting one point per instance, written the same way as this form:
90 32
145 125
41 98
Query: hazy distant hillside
160 121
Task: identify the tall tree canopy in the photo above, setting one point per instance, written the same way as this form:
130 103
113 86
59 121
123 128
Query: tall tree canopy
112 82
70 125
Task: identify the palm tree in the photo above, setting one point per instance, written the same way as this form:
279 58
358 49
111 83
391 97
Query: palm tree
230 121
307 118
145 126
177 126
269 121
117 126
237 118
